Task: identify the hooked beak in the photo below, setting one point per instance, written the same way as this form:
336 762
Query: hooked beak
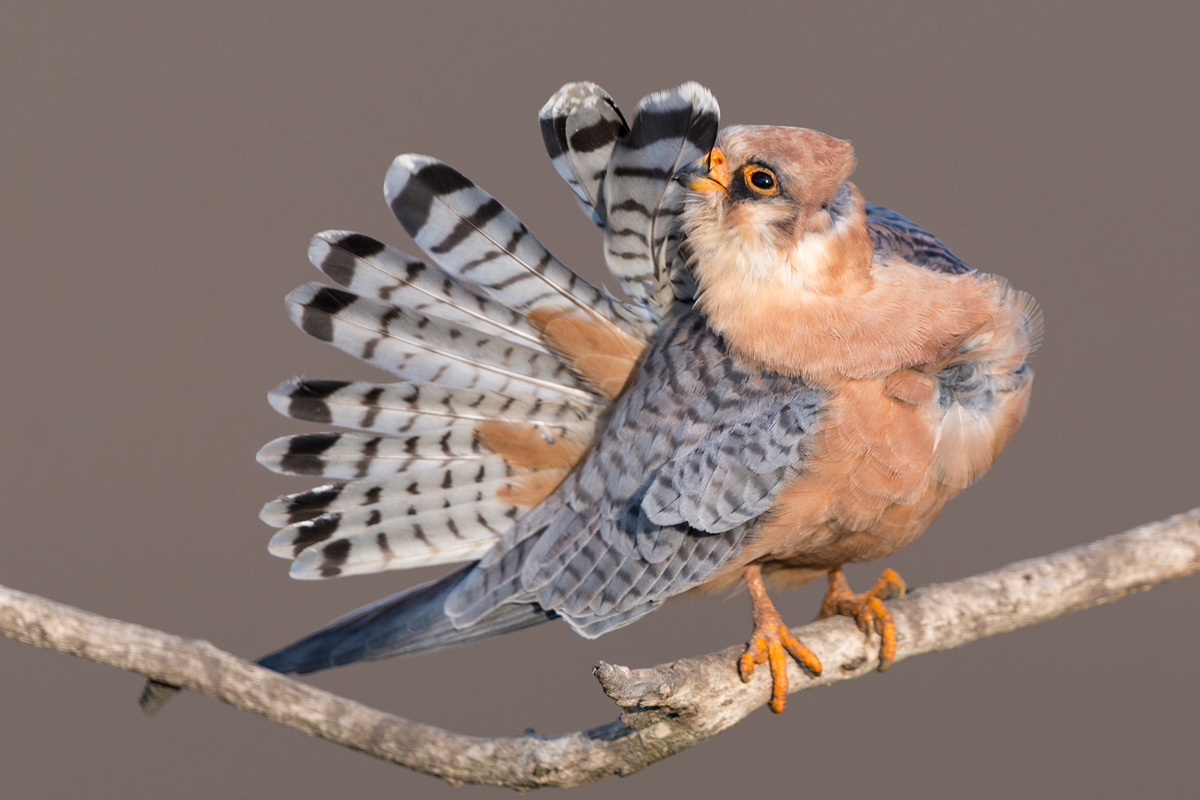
708 173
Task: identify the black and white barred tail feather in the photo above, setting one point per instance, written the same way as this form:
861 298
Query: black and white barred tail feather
369 268
417 346
403 624
580 127
475 238
670 129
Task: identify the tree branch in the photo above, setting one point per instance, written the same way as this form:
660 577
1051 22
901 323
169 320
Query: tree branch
669 707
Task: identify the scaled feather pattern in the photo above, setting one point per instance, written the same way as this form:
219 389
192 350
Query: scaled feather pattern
794 379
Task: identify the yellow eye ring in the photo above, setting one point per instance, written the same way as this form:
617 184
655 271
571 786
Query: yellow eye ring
760 179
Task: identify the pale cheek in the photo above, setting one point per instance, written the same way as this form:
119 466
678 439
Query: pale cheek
755 226
739 218
702 210
819 222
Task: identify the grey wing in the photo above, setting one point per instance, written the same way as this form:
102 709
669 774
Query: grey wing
696 450
895 234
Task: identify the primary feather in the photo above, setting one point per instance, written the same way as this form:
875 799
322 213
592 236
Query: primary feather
418 346
400 409
534 433
474 237
580 127
643 201
369 268
409 493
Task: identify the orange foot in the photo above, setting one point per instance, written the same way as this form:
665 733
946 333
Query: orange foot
771 638
867 608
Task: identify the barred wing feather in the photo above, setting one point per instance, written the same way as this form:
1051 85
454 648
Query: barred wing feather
670 129
369 268
488 414
580 127
474 237
441 536
417 346
507 364
401 409
410 493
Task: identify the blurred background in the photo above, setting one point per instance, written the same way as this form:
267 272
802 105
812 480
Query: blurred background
163 167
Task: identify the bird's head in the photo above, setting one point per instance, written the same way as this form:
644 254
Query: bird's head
771 205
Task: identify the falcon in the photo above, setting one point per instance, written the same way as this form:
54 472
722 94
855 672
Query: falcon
797 380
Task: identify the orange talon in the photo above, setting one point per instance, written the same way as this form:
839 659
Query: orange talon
770 641
866 608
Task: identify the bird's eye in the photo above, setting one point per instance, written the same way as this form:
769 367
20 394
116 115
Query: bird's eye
761 179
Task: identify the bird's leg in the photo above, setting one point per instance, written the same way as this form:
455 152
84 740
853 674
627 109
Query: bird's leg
866 608
770 641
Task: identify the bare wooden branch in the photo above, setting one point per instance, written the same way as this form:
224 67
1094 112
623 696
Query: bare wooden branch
667 708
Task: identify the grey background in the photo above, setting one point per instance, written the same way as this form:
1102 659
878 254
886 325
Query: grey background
163 166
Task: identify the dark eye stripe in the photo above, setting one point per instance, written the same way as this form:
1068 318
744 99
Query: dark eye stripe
754 181
759 180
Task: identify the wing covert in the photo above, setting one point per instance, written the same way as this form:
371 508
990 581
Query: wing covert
697 448
896 234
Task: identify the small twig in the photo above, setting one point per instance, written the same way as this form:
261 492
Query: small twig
669 707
